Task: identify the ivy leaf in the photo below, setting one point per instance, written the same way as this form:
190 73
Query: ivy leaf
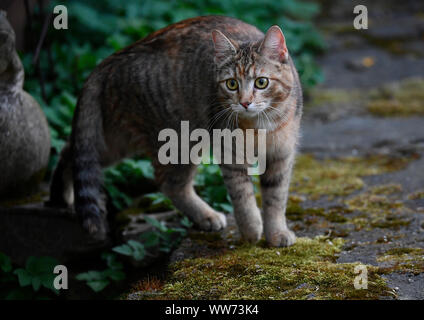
138 250
47 280
24 277
146 168
98 285
185 222
111 261
40 265
89 276
115 275
151 239
155 223
226 207
36 283
124 249
5 263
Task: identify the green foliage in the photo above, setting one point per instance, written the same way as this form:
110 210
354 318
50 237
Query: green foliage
162 236
37 272
132 249
98 280
210 185
5 263
186 223
158 201
34 281
167 238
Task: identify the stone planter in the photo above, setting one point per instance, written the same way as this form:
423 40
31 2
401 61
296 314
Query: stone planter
24 132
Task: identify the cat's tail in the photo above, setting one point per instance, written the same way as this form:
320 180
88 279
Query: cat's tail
87 143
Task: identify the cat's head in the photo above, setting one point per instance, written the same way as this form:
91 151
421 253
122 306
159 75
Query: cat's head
254 79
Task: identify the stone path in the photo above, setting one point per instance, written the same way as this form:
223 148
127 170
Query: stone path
394 43
377 161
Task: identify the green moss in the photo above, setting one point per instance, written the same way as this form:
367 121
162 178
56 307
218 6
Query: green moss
371 203
322 96
395 45
380 209
386 189
417 195
338 27
390 221
333 215
213 240
338 177
295 212
403 260
389 238
400 252
305 270
405 98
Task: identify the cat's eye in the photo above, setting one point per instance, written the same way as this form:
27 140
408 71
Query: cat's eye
261 83
232 84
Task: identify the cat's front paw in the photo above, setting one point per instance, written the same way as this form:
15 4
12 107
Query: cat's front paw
283 238
254 235
213 221
251 230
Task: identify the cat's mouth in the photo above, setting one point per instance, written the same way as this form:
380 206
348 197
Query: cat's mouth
250 111
261 115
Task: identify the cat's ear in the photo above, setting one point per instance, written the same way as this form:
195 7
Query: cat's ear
274 45
224 48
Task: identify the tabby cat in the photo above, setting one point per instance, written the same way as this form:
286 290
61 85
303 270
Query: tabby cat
206 70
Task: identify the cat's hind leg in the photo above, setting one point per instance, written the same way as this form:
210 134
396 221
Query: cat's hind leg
61 187
176 183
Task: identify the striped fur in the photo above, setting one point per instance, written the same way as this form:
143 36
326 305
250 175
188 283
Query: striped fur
174 75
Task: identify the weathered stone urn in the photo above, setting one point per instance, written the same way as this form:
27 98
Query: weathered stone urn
24 132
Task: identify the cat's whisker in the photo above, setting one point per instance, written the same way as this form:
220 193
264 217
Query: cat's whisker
269 120
229 119
214 117
275 115
219 115
265 119
282 115
233 116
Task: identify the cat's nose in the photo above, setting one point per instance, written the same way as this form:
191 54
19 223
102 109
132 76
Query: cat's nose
245 104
